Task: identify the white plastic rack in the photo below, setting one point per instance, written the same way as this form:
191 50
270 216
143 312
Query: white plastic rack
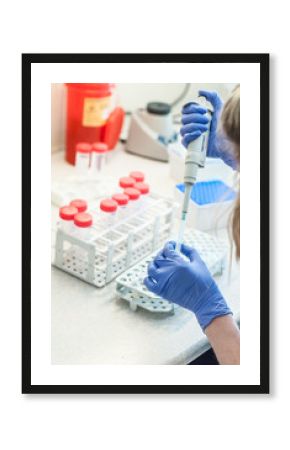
130 285
108 253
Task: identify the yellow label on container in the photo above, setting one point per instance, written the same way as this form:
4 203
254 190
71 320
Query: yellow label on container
96 111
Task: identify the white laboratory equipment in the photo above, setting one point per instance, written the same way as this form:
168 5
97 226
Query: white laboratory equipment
108 252
151 130
130 286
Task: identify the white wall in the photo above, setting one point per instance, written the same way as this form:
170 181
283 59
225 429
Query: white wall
130 96
57 116
133 96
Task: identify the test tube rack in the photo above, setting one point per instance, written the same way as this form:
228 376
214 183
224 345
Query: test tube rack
108 253
130 285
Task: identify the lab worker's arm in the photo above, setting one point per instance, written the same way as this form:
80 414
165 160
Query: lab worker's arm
224 337
188 283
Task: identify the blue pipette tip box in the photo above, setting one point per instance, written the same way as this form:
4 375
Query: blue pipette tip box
207 192
211 204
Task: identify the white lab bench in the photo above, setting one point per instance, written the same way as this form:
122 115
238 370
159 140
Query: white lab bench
90 325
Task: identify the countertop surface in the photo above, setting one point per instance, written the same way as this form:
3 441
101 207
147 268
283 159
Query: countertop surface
92 325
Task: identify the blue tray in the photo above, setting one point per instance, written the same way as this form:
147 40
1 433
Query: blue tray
208 192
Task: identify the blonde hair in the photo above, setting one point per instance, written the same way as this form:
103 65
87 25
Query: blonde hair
230 122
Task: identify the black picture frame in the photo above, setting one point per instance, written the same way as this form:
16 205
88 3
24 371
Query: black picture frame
27 61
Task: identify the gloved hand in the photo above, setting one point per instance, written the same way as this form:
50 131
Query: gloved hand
195 123
187 283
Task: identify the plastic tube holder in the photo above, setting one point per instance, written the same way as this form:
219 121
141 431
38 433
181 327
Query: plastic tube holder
130 285
108 253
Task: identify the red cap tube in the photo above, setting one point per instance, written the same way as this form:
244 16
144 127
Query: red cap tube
100 147
80 204
83 147
83 220
132 193
67 212
138 176
127 182
108 205
142 187
121 199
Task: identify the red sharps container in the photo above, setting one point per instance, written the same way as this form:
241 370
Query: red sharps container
91 116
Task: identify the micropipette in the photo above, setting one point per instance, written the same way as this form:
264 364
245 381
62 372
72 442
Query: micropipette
195 158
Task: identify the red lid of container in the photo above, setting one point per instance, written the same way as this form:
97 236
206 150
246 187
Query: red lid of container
121 199
83 147
67 212
99 147
80 204
138 176
108 205
132 193
83 220
98 89
127 182
142 187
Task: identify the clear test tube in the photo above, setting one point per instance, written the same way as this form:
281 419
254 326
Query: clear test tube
80 204
144 191
83 157
98 156
134 196
122 200
138 176
83 225
126 182
67 214
108 213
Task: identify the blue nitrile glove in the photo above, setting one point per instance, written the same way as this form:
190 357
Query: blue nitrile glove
195 123
187 283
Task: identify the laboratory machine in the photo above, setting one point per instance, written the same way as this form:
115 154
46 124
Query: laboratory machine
151 131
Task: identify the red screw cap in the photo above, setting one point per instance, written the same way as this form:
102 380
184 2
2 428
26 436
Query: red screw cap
132 193
67 212
108 205
127 182
142 187
99 147
121 199
83 220
138 176
83 147
80 204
